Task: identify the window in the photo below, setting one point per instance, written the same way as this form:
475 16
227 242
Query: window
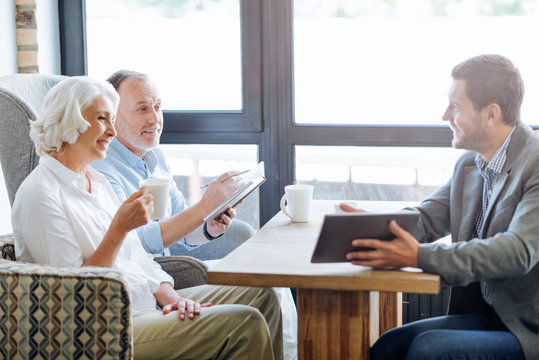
196 165
389 62
191 49
310 78
374 173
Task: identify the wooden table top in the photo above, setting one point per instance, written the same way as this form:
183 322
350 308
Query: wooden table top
280 255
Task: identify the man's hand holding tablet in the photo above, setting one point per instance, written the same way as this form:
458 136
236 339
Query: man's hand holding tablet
399 252
364 238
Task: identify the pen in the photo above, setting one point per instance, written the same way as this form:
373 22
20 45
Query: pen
241 173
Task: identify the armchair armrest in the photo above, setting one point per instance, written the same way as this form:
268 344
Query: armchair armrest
57 312
185 270
7 247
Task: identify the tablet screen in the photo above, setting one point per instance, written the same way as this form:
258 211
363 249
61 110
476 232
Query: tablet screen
339 230
252 180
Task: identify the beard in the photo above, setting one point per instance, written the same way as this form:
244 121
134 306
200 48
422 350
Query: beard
472 138
145 139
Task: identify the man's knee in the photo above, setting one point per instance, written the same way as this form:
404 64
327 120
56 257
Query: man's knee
237 234
246 317
428 345
269 296
239 231
391 345
249 329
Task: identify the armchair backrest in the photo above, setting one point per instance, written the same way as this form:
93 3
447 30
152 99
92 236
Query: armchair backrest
21 97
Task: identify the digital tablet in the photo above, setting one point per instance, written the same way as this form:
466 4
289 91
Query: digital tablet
252 180
339 230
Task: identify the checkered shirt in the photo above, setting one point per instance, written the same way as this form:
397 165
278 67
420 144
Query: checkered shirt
490 172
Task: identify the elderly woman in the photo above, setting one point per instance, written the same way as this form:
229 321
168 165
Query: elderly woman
66 214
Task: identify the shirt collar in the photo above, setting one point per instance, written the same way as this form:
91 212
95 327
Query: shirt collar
70 177
498 160
149 159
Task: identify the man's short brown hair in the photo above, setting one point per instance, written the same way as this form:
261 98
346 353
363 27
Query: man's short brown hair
492 79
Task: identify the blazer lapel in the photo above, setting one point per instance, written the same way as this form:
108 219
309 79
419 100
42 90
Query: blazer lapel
502 179
471 200
518 139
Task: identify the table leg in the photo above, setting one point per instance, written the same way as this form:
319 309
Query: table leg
335 324
390 307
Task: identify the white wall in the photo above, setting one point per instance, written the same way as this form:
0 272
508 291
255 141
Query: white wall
49 63
8 44
48 36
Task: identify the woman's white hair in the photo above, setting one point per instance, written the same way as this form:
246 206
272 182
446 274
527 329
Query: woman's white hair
60 120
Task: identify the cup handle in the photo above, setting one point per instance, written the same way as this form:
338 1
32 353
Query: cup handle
283 207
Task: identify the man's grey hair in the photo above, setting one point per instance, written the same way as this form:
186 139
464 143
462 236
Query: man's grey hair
120 75
60 120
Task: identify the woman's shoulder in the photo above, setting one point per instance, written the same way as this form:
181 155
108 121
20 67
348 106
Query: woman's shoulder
38 185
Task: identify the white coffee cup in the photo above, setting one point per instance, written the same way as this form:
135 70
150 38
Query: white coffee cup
338 210
159 188
298 199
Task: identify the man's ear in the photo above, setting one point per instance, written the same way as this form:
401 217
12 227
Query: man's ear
494 114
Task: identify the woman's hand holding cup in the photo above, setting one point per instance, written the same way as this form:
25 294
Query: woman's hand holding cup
135 211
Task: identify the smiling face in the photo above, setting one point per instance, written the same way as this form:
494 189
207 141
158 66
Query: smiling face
92 145
140 119
467 123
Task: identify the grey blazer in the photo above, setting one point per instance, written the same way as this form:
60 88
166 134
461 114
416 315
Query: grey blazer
507 256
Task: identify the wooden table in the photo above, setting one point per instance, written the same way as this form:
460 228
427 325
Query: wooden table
342 308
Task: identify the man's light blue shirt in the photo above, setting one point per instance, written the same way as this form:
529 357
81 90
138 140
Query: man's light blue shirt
124 170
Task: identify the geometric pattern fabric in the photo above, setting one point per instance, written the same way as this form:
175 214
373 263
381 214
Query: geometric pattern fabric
49 312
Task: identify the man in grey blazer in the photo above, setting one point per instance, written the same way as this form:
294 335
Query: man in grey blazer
491 209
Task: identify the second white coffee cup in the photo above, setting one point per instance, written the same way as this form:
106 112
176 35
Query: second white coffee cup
296 202
159 188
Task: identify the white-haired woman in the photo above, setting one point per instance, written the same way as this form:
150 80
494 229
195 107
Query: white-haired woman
67 214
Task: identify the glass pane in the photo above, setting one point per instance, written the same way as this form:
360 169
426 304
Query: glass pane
196 165
191 48
389 62
374 173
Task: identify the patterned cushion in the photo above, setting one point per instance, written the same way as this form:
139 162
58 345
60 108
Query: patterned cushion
53 312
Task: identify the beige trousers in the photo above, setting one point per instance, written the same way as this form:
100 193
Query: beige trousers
227 330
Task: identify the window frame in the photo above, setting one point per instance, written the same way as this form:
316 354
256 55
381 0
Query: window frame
248 119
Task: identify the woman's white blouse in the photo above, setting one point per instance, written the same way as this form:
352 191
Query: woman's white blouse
56 221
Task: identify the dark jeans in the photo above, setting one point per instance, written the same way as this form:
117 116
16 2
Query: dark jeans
462 337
